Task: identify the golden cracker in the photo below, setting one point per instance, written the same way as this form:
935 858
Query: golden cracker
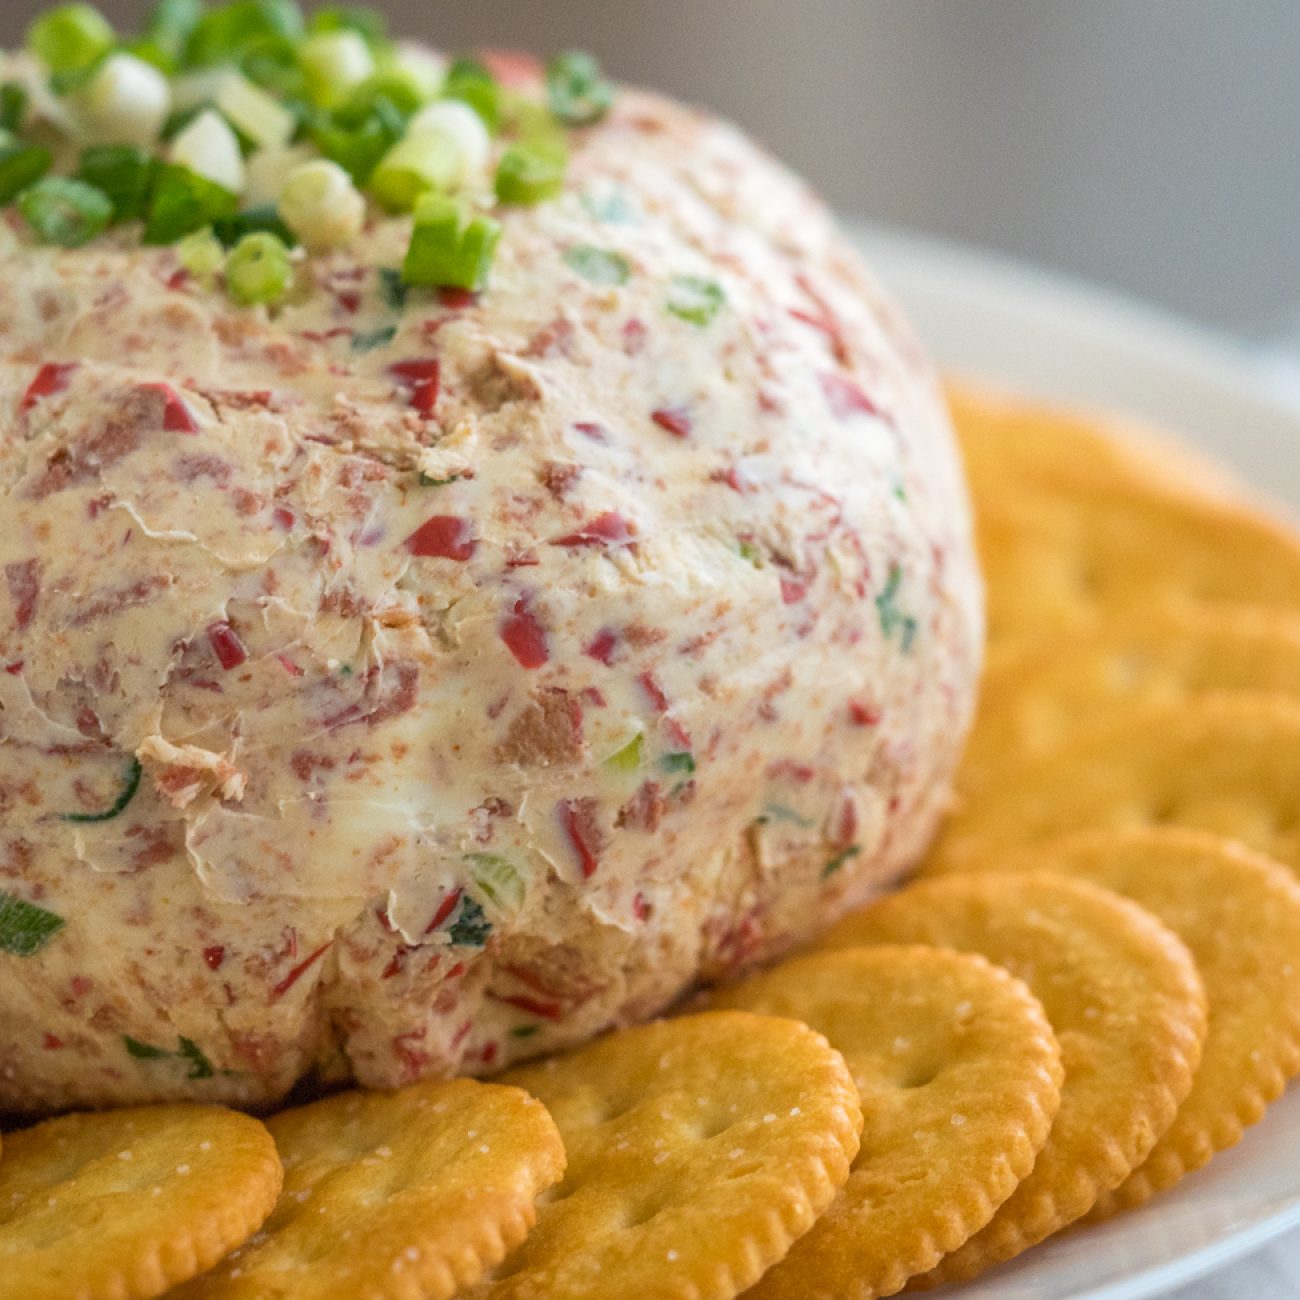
1239 915
960 1077
1227 764
1121 993
1053 560
1010 441
699 1150
408 1195
127 1203
1033 699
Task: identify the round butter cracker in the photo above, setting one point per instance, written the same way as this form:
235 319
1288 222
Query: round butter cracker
125 1204
1123 997
699 1150
959 1075
1040 694
395 1196
1239 915
1227 764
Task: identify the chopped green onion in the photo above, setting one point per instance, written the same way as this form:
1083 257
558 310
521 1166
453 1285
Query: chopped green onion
525 1031
498 881
839 860
695 299
273 65
335 62
391 288
20 166
628 759
128 792
527 177
396 89
469 927
13 104
357 141
64 211
143 1051
209 148
577 93
415 165
255 114
266 218
258 270
748 551
346 18
170 25
420 69
200 1066
125 100
470 82
449 248
203 255
183 201
369 340
460 124
226 33
124 173
681 761
25 928
71 38
599 265
321 206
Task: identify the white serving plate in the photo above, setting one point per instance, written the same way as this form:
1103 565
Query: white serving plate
1046 334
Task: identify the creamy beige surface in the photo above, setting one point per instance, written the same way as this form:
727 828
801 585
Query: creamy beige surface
775 577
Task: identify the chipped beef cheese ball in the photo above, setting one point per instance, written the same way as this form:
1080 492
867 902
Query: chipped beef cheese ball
399 684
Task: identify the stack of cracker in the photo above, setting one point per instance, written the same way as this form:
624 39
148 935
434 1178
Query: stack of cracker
1091 991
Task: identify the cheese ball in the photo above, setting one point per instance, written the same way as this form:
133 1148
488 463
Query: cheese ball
400 684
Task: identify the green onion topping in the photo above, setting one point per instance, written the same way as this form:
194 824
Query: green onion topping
21 165
65 212
224 34
258 270
599 265
471 928
449 248
695 299
71 38
525 176
578 94
129 787
182 202
498 880
13 104
25 928
124 173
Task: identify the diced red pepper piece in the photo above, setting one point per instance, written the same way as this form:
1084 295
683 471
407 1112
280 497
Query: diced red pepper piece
534 1006
590 429
226 645
792 592
609 529
514 68
578 817
51 378
863 715
177 417
641 907
457 299
445 909
601 647
674 419
297 972
421 378
448 537
845 397
649 683
51 1042
525 636
214 956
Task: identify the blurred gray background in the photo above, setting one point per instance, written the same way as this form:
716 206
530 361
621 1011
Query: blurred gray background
1152 145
